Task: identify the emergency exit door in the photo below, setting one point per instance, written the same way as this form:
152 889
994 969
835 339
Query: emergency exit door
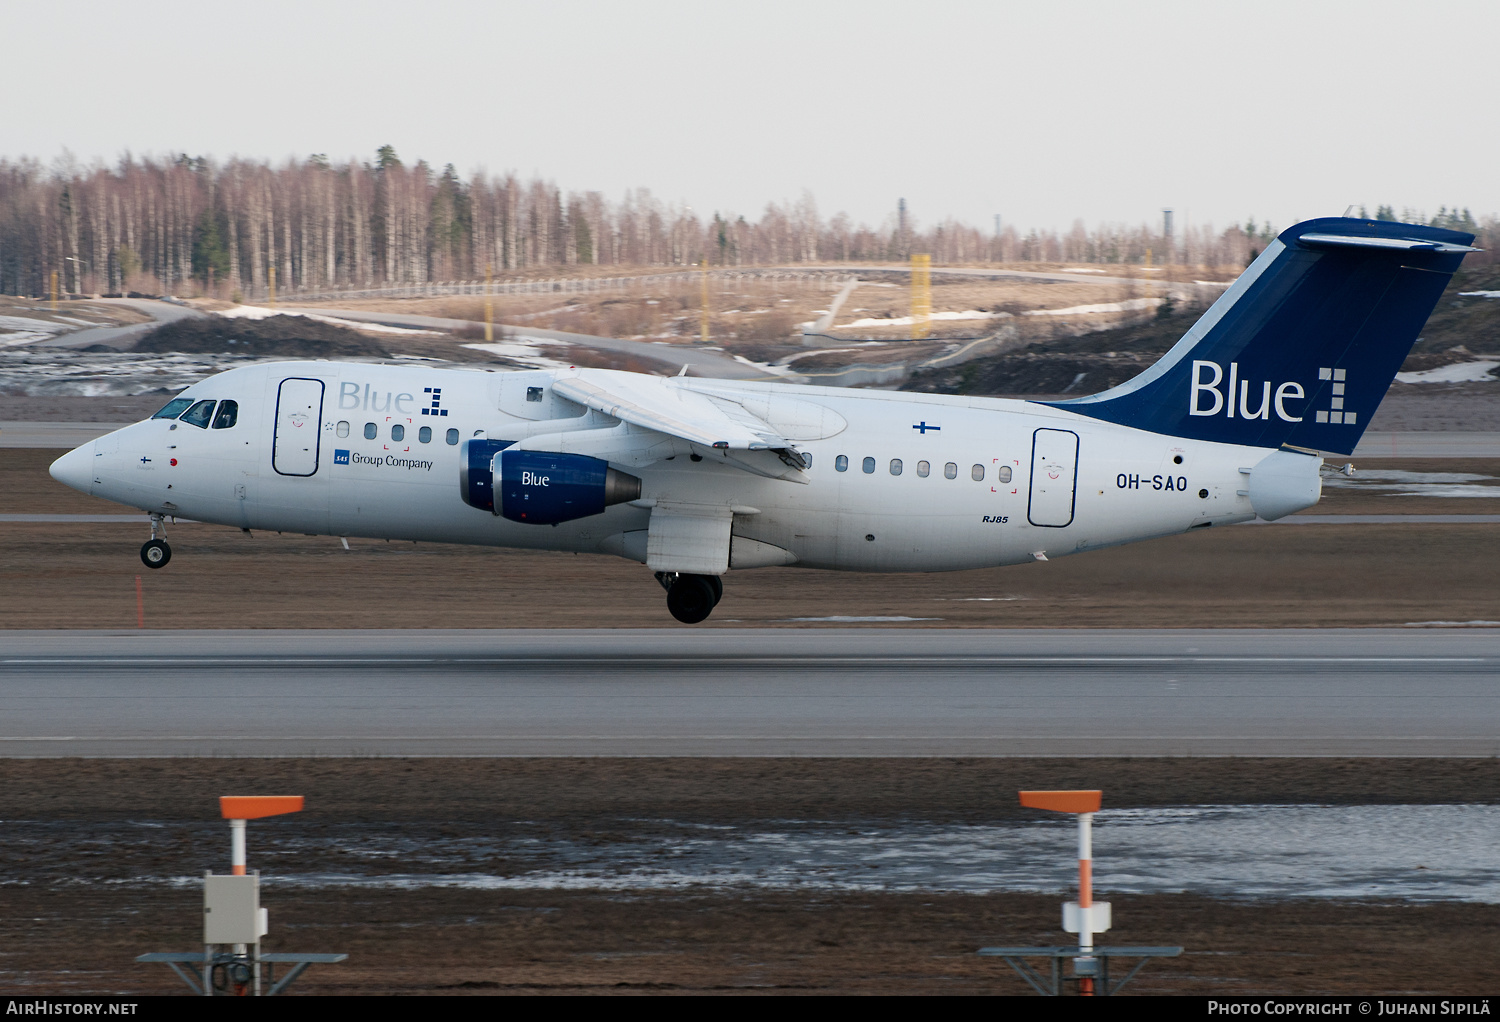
1054 478
299 410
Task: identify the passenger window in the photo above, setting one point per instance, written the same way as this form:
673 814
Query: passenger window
950 470
895 466
425 434
199 414
868 465
452 437
1004 473
398 432
173 408
977 473
841 463
370 431
533 393
342 429
229 414
923 468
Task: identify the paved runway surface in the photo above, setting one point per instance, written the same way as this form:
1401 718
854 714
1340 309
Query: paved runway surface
59 436
1424 692
123 338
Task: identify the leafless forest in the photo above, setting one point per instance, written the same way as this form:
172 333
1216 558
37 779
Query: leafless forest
191 225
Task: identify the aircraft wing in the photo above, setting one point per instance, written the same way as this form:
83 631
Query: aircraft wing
667 407
654 403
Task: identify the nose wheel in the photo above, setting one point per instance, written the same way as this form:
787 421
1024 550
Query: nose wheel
691 598
156 553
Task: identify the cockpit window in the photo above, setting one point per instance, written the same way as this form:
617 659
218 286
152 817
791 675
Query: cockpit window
229 414
199 414
173 408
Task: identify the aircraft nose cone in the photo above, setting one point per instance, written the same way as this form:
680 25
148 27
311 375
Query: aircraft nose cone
76 469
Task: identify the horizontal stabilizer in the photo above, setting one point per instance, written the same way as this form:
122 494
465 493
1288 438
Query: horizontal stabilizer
1405 244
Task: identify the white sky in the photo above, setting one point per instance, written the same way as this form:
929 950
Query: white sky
1039 111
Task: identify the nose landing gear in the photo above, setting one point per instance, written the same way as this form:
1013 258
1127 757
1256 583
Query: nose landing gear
691 598
156 553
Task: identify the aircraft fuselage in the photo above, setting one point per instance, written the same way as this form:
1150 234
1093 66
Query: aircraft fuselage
896 482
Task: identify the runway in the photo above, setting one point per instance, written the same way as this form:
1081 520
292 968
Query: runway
123 338
773 692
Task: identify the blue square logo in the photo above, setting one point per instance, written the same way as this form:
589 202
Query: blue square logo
341 457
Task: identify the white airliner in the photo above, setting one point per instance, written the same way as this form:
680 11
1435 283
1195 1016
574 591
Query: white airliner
695 477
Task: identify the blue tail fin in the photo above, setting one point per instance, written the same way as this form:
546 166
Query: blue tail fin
1301 349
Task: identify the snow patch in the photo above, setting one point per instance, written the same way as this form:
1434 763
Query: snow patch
936 316
1459 372
1479 294
261 312
53 373
1485 492
27 323
1452 624
773 370
525 350
15 340
1129 305
19 330
809 354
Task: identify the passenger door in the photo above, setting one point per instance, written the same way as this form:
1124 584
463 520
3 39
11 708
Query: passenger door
299 413
1054 477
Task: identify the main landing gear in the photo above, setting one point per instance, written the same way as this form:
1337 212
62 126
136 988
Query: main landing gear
156 553
691 598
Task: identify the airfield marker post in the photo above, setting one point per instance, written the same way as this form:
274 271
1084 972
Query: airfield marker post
232 916
703 304
921 296
1085 895
489 305
1084 917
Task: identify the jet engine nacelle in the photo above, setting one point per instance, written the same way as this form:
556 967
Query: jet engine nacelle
540 488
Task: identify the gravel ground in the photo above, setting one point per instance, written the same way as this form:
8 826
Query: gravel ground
80 906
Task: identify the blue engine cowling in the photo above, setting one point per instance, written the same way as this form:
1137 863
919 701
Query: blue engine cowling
539 488
475 482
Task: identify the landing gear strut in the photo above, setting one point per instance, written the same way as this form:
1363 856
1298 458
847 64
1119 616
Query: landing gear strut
156 553
691 598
